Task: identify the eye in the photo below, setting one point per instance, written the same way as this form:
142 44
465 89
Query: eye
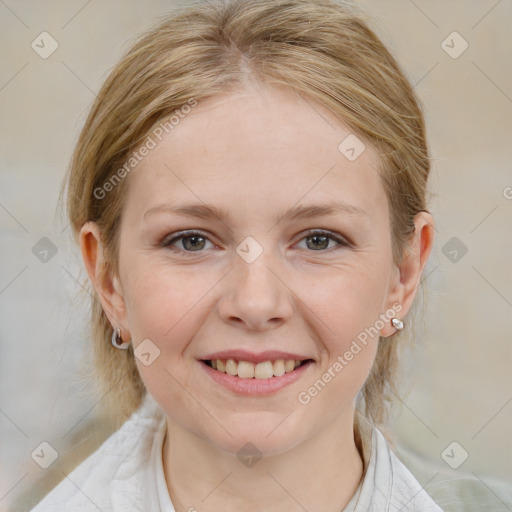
191 241
319 240
194 241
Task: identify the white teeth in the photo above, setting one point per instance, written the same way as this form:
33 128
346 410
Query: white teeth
263 370
248 370
231 367
289 365
245 370
278 367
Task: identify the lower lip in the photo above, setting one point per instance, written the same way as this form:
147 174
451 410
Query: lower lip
255 387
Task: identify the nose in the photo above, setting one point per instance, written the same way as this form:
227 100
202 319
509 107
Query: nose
255 296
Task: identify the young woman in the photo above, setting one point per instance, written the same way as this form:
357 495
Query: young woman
249 196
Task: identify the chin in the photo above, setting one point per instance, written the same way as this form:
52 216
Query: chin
258 433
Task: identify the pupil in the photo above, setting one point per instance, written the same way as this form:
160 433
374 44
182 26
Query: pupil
195 244
324 241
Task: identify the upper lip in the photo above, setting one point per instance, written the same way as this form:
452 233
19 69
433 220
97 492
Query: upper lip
253 357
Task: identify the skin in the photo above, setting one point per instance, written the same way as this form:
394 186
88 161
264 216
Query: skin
256 153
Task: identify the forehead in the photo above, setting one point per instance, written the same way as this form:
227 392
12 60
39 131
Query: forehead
256 149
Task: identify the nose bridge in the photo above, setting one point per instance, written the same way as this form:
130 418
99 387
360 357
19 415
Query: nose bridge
254 294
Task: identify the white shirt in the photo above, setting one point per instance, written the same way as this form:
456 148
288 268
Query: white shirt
126 474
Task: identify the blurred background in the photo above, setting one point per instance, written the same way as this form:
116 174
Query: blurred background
456 405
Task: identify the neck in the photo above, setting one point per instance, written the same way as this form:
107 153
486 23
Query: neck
321 473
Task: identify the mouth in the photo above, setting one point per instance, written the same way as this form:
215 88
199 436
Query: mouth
255 378
257 371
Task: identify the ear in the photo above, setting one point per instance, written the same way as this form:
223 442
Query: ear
107 286
407 277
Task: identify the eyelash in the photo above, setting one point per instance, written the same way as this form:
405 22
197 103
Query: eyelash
315 232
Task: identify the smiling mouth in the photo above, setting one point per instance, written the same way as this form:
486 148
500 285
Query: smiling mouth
248 370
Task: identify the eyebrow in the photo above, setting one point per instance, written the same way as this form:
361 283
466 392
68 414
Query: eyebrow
204 211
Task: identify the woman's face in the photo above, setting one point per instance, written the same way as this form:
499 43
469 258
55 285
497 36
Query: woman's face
254 284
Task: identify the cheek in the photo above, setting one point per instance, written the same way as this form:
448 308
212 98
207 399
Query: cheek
161 300
349 302
165 306
350 312
348 344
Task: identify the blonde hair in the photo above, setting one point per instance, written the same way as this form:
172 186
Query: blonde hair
323 49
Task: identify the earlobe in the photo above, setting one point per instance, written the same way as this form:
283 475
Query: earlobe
106 285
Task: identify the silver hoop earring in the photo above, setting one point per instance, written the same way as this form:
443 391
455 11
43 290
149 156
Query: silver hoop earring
117 341
397 324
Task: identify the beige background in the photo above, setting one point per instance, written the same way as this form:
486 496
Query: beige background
459 380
